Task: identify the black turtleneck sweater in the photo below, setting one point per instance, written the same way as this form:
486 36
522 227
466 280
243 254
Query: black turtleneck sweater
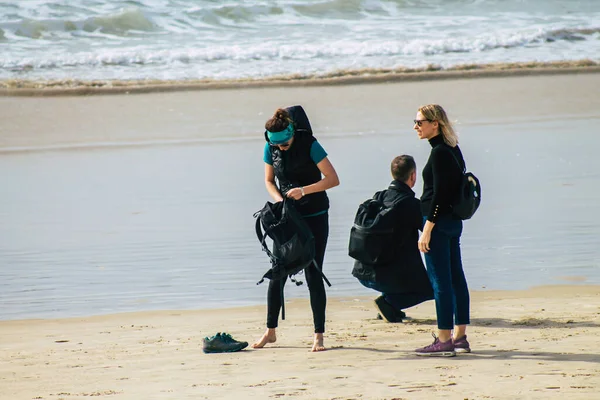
441 179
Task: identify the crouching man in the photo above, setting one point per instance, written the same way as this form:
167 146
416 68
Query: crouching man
397 269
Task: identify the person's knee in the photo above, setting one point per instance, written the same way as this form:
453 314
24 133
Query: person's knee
442 293
315 285
314 278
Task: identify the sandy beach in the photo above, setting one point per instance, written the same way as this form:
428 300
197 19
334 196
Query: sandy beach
131 170
539 343
534 344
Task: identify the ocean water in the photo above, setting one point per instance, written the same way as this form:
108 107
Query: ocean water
133 228
213 39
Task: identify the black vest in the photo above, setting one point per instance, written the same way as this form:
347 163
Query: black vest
294 168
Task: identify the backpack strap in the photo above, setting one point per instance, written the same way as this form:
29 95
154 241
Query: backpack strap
464 169
321 272
263 241
262 238
281 285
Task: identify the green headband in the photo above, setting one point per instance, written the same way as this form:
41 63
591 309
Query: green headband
282 136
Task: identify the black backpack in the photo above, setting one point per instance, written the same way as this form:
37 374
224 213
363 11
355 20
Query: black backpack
372 239
469 194
293 242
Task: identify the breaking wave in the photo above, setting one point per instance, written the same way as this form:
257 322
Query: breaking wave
206 39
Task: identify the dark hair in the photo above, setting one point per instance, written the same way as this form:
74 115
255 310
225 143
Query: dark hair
402 167
279 121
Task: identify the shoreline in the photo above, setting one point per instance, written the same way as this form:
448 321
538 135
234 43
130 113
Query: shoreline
564 290
74 87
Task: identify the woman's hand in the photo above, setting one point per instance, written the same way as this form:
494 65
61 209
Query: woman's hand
295 193
426 237
424 242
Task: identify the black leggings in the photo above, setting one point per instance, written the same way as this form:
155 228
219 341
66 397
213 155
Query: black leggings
319 225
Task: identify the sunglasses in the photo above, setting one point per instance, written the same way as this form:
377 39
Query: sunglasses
286 144
419 122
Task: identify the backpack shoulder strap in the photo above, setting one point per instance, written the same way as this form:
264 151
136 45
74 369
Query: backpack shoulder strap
464 169
262 238
257 228
321 272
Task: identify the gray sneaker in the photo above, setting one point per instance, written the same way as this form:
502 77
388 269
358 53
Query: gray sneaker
461 345
437 349
222 343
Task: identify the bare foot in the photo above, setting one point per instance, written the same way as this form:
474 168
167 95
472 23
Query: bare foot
268 337
318 343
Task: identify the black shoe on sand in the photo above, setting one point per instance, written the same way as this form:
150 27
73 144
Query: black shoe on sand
387 311
222 343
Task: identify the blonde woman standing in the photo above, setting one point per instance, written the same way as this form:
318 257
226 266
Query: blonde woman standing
440 240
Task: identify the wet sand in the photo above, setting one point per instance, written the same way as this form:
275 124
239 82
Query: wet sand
32 123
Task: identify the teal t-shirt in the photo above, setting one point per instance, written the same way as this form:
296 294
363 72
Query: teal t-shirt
317 153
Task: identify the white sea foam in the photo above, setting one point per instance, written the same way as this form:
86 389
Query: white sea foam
253 38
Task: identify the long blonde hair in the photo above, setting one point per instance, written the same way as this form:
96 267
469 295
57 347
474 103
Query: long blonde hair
435 112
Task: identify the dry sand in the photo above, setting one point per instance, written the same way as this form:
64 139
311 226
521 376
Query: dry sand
536 344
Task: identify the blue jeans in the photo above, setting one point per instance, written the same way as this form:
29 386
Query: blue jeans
444 267
398 300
